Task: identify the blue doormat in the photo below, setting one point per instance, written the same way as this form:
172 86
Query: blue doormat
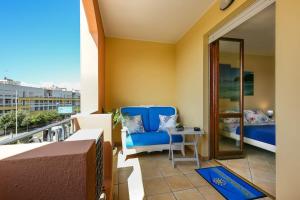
229 185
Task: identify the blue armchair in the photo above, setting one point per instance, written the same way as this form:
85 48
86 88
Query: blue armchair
151 139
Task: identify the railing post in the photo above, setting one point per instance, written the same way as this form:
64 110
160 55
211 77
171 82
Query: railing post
63 131
49 135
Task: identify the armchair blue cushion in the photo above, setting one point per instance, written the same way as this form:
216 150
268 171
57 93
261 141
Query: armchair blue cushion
154 113
144 111
151 136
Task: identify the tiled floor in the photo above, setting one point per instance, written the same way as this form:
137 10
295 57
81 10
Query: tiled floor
152 177
257 167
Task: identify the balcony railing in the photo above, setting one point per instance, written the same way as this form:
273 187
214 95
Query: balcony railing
58 131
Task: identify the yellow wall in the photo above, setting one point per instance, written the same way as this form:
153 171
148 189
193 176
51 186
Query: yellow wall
287 99
139 73
192 62
192 93
263 68
128 59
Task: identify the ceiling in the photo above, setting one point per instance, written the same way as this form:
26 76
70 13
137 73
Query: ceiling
258 33
151 20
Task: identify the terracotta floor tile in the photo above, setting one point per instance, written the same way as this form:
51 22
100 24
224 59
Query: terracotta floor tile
116 177
190 194
266 198
166 196
186 167
169 171
123 175
123 191
150 172
160 178
164 163
156 186
178 182
266 164
204 164
210 193
212 163
197 180
244 173
116 192
148 163
267 186
259 174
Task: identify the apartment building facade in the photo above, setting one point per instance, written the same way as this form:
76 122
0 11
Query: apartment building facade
14 96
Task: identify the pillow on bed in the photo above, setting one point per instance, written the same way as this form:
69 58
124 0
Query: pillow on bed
256 117
233 120
231 127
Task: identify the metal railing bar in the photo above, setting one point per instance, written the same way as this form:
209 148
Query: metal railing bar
31 133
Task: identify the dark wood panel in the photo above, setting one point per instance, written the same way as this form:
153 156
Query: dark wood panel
230 115
215 116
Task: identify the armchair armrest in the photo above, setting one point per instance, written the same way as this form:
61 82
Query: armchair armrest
124 133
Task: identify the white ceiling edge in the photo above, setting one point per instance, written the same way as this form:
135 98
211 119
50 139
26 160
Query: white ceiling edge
171 41
140 39
249 12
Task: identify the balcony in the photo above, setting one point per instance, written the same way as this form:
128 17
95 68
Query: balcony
147 56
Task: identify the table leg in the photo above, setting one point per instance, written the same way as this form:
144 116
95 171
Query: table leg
172 153
196 150
170 148
182 146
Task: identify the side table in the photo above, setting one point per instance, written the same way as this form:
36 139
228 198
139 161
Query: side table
193 143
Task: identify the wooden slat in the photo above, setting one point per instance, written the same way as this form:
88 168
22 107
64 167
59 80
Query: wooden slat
230 115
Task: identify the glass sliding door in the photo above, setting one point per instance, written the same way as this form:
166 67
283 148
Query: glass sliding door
227 97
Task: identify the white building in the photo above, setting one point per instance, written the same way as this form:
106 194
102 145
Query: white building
34 98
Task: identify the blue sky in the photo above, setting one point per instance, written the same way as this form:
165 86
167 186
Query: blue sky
39 41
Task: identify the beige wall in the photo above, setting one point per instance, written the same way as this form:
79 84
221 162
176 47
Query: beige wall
287 99
263 68
139 73
264 82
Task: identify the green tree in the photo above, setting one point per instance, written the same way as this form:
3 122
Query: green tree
21 116
44 117
27 119
38 119
26 122
6 121
51 116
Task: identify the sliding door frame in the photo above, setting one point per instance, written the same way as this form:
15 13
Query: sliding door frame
248 13
214 102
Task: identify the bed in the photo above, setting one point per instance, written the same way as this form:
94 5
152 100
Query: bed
259 130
